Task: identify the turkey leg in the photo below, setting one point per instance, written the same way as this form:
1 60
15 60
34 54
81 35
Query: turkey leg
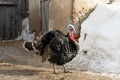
55 68
65 68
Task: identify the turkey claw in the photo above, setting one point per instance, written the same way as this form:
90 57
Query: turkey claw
67 72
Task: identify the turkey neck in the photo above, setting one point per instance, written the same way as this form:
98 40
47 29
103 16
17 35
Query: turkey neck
72 37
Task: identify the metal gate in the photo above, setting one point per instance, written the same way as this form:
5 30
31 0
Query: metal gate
9 28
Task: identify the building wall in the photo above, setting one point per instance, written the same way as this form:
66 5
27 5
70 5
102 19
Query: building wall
34 15
60 12
84 7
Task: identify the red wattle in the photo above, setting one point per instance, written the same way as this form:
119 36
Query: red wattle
72 36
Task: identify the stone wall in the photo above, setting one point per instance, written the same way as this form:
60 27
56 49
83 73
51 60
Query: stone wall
84 7
60 12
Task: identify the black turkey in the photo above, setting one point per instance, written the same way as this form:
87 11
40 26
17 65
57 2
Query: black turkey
58 48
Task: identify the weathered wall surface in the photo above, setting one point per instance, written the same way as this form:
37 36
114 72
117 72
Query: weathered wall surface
59 12
34 14
84 7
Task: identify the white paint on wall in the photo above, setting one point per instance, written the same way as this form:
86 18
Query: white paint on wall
102 42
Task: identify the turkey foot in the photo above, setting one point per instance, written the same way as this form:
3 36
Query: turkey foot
66 69
55 69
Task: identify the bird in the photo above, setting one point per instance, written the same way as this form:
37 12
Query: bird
57 48
32 45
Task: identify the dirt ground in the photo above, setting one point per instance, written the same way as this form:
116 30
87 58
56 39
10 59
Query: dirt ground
18 64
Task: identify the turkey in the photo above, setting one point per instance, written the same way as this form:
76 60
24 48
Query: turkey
32 45
58 48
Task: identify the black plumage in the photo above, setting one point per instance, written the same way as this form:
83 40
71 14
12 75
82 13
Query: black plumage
57 48
28 46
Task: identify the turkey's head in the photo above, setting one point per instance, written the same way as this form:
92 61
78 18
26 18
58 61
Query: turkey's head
72 32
